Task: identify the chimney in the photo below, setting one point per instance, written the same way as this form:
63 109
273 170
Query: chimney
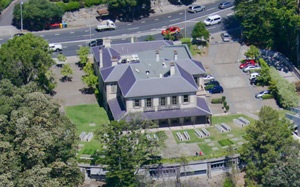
114 61
157 56
100 58
172 68
175 55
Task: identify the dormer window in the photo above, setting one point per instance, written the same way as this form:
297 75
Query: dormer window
185 98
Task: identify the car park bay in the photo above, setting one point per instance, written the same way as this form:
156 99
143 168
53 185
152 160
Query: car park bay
222 61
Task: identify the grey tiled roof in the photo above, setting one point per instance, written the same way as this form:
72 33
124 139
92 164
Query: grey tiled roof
201 103
127 81
191 66
113 73
188 77
116 110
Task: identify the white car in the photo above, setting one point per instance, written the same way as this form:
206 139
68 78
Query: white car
262 93
251 67
55 47
253 75
225 36
208 77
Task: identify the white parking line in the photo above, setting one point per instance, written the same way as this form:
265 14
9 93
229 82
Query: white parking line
88 35
134 28
1 39
123 39
129 24
230 14
156 19
169 16
143 22
180 13
56 34
172 20
72 32
209 28
86 30
42 35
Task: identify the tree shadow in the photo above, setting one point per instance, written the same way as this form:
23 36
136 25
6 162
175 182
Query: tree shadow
233 27
181 2
66 79
87 91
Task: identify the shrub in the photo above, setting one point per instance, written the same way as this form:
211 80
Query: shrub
66 1
149 38
72 6
224 104
297 85
209 87
62 5
267 96
227 108
216 101
223 99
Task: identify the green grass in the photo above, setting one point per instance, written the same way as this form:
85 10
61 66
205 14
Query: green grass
84 115
225 142
228 118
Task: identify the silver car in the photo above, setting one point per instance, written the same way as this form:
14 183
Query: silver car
225 36
195 8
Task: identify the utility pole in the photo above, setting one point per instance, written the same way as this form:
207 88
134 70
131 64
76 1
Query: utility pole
21 16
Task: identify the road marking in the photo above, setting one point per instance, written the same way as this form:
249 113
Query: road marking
143 22
180 13
1 38
174 19
72 32
134 28
123 39
88 35
156 19
230 14
56 34
129 24
169 16
86 30
42 35
210 9
209 28
138 32
153 29
79 45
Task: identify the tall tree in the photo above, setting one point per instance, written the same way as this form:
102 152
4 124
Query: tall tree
37 143
285 172
25 59
37 14
265 142
200 32
125 148
83 53
66 71
90 79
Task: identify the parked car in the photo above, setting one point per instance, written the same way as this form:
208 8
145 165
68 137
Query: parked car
253 81
247 63
216 89
225 37
96 42
262 93
208 77
251 67
212 82
195 8
253 75
55 47
18 34
225 4
171 30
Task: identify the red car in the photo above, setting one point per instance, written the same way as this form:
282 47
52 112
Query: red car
171 30
247 63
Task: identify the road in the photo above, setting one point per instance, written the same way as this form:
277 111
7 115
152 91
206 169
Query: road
73 38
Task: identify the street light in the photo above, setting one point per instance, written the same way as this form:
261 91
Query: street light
21 16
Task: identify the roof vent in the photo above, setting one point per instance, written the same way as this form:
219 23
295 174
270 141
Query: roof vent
137 70
147 72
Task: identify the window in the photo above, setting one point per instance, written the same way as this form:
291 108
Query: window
174 100
162 101
113 88
136 103
196 80
175 121
148 102
187 120
185 98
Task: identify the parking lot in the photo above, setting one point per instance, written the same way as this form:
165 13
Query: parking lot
222 61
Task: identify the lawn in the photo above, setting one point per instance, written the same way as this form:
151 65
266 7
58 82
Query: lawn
87 118
218 142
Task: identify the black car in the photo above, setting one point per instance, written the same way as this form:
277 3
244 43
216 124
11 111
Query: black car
18 34
96 42
212 82
225 4
216 89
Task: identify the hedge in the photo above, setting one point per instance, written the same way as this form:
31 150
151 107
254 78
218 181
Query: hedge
89 3
267 96
72 6
209 87
216 100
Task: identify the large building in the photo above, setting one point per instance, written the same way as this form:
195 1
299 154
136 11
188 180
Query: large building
156 79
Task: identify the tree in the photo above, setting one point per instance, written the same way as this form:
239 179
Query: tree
25 59
253 52
285 172
37 14
66 71
83 53
284 91
265 142
264 78
125 149
37 143
200 32
90 79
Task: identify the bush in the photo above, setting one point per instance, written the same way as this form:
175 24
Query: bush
62 5
216 101
297 85
72 6
267 96
225 142
223 99
209 87
149 38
